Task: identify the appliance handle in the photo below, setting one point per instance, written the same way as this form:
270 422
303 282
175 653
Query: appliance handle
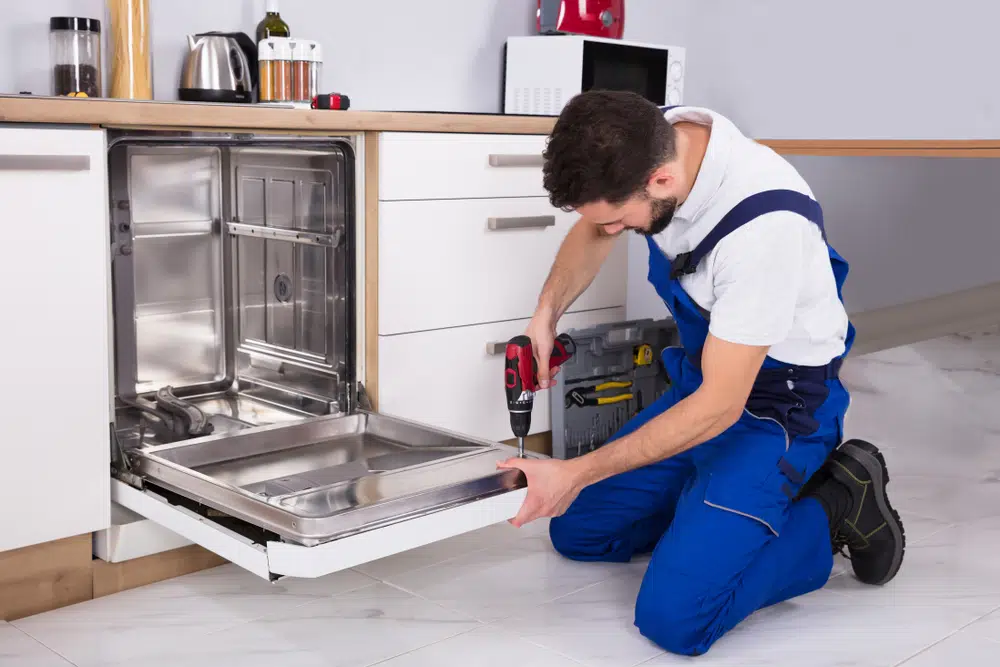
495 347
13 162
512 160
522 222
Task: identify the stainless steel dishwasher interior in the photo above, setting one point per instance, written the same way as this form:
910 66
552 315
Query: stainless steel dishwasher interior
234 293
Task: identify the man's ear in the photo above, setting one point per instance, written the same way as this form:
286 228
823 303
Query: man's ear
661 182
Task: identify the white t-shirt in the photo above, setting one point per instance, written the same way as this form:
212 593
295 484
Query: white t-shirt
769 282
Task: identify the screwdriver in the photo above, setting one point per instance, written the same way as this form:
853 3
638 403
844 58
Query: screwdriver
521 380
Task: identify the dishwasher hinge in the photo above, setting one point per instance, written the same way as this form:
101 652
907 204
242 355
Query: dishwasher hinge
359 399
121 467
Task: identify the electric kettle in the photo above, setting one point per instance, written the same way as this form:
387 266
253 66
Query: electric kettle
219 67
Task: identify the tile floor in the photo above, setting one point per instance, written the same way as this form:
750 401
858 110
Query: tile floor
502 597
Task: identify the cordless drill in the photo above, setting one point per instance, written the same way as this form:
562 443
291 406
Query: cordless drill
520 379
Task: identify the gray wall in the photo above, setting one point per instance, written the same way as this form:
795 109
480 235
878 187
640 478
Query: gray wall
859 69
435 55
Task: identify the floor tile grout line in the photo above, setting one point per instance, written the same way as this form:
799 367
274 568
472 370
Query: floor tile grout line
421 648
946 637
268 616
44 645
496 624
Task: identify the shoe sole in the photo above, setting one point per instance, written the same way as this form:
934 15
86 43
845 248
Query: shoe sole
872 459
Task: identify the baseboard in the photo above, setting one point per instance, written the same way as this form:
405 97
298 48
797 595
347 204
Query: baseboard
958 312
45 576
110 578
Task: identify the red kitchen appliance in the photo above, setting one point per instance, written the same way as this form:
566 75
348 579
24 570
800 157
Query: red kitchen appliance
597 18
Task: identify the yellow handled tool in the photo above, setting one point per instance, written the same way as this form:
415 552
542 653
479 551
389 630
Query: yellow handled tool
581 395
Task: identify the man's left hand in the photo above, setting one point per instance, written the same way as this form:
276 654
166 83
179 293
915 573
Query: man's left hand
552 486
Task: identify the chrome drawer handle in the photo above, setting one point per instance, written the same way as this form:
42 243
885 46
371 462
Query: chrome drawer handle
496 348
44 163
523 222
528 160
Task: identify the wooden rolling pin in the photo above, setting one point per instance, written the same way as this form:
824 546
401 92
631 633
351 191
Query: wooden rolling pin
131 69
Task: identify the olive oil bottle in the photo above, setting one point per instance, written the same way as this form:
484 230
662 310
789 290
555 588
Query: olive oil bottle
272 25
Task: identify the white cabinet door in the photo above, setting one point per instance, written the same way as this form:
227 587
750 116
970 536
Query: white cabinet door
451 379
448 263
54 261
418 165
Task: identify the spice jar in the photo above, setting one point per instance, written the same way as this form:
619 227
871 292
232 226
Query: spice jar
75 48
274 56
307 59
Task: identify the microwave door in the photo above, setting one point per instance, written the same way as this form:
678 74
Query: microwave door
637 69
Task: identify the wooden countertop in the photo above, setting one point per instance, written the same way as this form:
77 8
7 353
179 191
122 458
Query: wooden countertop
125 114
179 115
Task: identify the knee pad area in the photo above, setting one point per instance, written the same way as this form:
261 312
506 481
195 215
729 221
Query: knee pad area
676 618
572 539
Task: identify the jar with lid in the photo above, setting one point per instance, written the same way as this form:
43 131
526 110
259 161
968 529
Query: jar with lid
274 56
307 59
75 48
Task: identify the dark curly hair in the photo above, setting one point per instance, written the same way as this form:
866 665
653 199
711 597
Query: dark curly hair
605 146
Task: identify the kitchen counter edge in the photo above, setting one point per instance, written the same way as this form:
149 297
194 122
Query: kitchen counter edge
133 114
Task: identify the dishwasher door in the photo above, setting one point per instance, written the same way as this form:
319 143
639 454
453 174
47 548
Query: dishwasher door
235 273
324 494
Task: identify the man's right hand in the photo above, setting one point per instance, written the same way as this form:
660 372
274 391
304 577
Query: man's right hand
542 332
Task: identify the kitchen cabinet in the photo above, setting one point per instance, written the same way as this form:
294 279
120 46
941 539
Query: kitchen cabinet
56 412
455 262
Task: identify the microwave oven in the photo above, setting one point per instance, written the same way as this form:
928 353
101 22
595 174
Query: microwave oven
543 72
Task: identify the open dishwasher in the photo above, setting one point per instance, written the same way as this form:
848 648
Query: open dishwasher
240 419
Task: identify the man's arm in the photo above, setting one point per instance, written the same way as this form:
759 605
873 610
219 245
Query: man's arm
729 371
580 257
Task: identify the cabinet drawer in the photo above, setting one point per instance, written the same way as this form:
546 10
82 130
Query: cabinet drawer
453 166
470 261
463 391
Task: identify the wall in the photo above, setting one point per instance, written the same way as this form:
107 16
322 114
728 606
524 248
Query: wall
900 69
440 55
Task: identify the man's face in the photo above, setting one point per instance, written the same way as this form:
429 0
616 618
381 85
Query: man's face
642 214
647 213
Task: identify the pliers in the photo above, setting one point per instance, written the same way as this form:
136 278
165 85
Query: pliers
580 395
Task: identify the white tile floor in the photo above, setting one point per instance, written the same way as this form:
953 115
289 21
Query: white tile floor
502 597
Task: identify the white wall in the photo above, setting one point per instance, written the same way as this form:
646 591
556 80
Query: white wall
859 69
434 55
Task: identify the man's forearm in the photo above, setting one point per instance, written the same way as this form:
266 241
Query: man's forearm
689 423
580 257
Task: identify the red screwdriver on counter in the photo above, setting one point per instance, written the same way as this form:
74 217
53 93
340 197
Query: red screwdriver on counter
521 380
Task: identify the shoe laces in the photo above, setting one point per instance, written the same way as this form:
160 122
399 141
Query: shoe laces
839 543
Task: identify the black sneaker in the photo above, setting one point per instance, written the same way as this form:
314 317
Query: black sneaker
871 531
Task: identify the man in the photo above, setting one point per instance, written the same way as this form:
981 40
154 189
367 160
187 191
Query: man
711 478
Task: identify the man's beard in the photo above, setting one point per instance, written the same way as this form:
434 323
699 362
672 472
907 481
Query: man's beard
663 212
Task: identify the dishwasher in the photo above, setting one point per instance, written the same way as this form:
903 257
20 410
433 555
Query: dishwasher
240 418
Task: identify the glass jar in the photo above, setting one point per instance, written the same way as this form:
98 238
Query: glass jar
274 56
307 59
75 48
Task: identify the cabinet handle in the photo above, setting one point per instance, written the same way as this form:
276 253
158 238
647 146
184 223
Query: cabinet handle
528 160
496 347
522 222
44 162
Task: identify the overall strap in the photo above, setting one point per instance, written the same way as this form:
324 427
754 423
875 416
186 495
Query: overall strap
747 210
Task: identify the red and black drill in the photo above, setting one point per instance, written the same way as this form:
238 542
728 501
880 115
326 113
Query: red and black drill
520 379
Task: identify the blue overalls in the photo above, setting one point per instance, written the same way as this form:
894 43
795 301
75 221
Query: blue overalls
725 535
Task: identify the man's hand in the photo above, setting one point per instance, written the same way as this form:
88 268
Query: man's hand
542 332
552 486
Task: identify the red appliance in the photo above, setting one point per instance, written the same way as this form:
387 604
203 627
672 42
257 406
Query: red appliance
598 18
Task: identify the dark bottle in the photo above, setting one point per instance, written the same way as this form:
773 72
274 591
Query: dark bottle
272 25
